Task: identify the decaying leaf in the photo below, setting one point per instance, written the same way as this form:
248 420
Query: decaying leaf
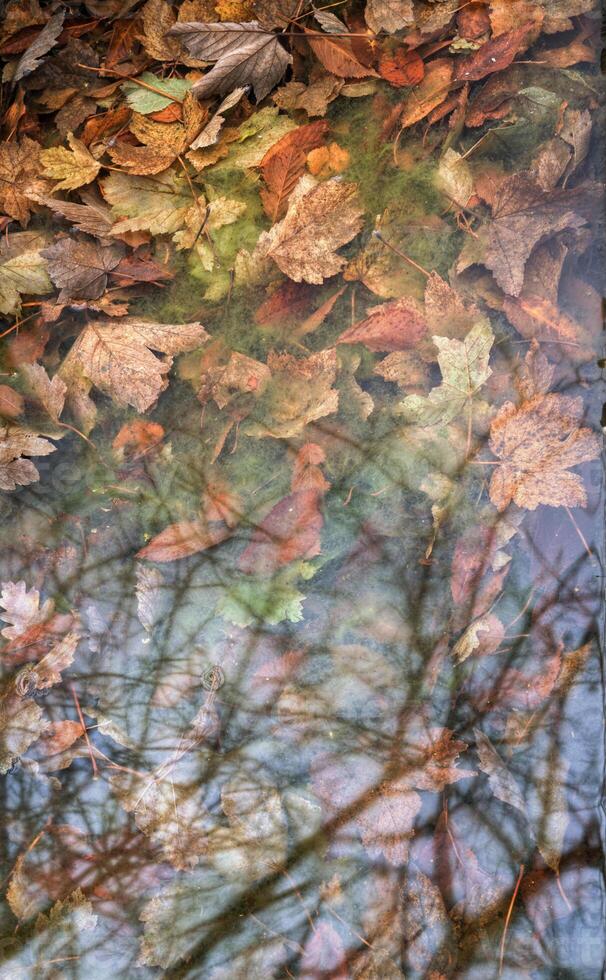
32 56
16 445
117 358
389 15
537 443
80 267
464 367
395 326
320 218
23 270
284 164
20 177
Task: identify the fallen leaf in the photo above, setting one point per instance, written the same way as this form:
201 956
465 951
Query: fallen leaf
432 90
92 217
395 326
482 637
15 445
313 99
50 394
33 55
502 783
72 167
244 54
401 67
389 15
284 164
464 367
20 177
537 443
159 205
494 55
23 270
337 56
117 358
291 530
81 267
299 392
320 218
182 540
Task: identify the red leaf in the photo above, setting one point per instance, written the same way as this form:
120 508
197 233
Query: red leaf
398 325
284 163
291 530
181 540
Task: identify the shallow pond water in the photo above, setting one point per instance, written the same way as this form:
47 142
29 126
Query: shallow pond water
302 606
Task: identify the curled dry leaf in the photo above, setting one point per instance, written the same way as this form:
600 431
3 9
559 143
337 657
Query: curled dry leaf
537 443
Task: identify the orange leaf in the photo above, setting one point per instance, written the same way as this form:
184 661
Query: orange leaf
284 163
182 540
337 56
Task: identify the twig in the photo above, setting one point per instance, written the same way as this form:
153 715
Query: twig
397 251
508 918
86 738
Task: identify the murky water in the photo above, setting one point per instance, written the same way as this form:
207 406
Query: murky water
359 732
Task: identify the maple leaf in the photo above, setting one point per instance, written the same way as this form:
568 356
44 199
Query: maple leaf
19 177
537 443
523 216
22 722
244 54
390 327
284 164
16 443
159 205
389 15
464 367
72 168
255 842
92 217
22 609
23 269
314 98
320 218
80 267
300 392
117 358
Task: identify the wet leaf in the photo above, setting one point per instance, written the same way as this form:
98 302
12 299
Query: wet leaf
537 443
72 167
390 327
20 178
389 15
16 444
81 267
33 55
502 783
284 164
23 270
320 218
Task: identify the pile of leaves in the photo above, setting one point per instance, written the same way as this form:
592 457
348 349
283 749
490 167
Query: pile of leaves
299 474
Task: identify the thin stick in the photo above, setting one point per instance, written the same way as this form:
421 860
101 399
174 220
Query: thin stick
508 918
135 81
579 532
415 265
562 892
86 738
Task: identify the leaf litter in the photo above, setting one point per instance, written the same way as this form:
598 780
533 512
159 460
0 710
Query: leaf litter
299 441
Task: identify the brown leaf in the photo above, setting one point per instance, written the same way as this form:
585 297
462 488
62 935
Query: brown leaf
15 444
523 216
243 53
389 15
473 21
117 358
47 38
429 94
300 392
537 444
182 540
401 67
284 163
50 394
11 402
494 55
337 56
313 98
92 217
395 326
482 637
19 177
80 267
320 218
